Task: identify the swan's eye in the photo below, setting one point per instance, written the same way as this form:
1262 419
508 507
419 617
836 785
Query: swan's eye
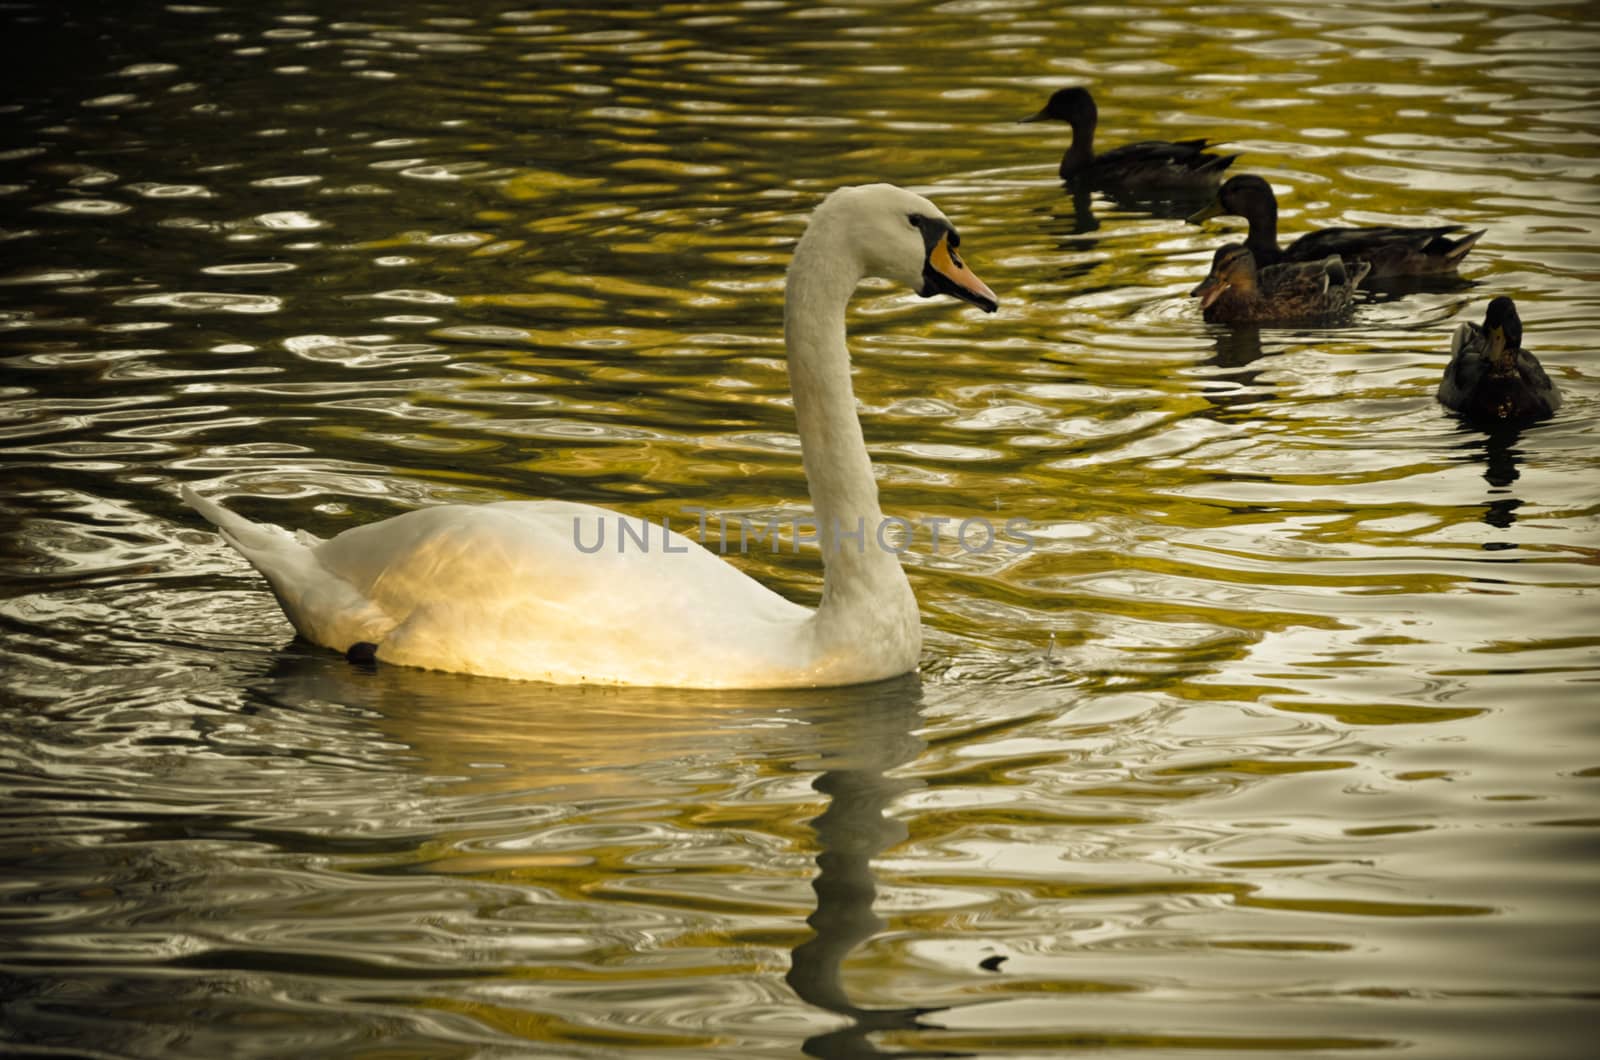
917 220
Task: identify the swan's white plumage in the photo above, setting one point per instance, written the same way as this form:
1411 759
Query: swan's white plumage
504 590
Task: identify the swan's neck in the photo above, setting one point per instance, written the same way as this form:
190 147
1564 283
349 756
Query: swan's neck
859 572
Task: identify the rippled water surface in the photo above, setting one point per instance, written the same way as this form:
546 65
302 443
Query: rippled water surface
1282 740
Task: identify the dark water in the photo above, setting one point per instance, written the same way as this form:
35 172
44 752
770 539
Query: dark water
1281 741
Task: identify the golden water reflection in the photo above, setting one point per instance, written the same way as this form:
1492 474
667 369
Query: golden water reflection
1277 741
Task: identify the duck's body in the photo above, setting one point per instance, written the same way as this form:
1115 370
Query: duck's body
1392 251
1490 377
1237 292
518 589
1149 166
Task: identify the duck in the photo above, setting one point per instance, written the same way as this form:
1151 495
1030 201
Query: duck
1393 251
521 590
1236 292
1149 165
1490 377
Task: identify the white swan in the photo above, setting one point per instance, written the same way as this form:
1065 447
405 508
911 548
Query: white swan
505 590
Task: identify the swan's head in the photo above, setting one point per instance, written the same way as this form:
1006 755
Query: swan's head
902 236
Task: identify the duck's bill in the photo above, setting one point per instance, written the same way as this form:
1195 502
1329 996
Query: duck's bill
1499 348
945 273
1041 116
1209 291
1205 213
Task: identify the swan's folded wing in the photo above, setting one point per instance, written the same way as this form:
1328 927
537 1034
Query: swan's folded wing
532 590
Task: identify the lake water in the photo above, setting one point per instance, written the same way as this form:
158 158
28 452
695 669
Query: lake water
1282 740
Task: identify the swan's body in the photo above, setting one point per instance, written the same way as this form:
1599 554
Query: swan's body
1236 292
1148 166
505 590
1392 251
1490 376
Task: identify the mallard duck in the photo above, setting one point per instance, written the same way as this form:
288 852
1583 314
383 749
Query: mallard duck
1236 293
1150 165
1490 376
1392 251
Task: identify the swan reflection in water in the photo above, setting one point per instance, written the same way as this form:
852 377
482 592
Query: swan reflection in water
458 736
876 735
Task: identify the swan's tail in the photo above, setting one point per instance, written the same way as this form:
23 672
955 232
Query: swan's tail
323 607
240 532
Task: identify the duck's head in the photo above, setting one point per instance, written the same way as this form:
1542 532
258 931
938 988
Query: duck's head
1072 105
1503 328
1232 266
901 236
1242 196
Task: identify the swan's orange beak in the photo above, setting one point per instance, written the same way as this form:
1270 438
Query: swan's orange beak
945 273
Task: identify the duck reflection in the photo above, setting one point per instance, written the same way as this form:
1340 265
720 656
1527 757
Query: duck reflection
1497 448
1236 349
1080 219
1175 204
1066 222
